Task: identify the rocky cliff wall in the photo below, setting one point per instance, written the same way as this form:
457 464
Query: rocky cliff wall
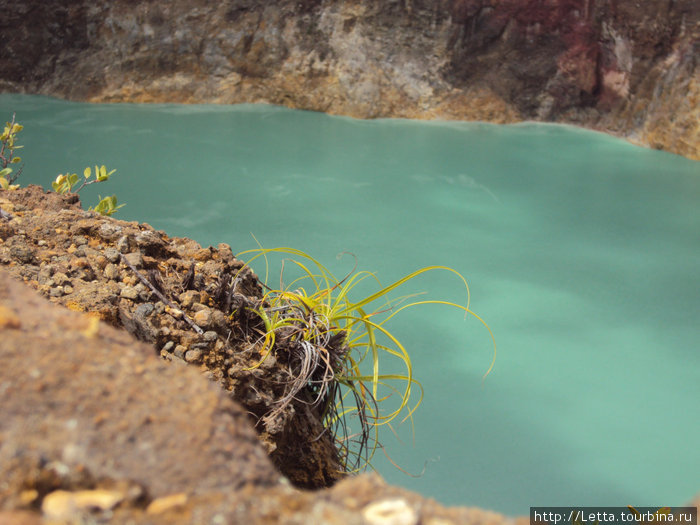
623 66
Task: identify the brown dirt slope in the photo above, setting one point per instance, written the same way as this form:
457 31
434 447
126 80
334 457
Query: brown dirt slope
86 406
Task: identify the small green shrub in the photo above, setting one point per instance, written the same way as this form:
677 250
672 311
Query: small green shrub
65 183
8 141
62 184
107 205
335 347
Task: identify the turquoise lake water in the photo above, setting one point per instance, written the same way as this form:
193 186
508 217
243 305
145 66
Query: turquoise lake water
582 253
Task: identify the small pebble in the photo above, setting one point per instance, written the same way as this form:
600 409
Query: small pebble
202 254
112 255
63 505
180 352
219 519
123 244
27 497
67 289
177 314
22 254
144 310
135 259
148 239
44 275
390 512
56 291
166 503
193 355
188 298
129 292
203 317
210 336
111 271
60 278
168 347
218 320
109 231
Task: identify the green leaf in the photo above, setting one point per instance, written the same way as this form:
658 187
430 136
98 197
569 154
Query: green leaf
87 172
16 160
6 171
107 205
102 173
61 184
72 179
3 183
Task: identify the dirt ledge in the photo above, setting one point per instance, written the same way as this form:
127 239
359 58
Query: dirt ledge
95 264
94 428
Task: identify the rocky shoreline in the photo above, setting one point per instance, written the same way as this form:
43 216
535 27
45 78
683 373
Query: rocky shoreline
621 66
168 429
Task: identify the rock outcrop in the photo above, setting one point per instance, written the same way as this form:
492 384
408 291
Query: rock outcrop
114 269
622 66
98 427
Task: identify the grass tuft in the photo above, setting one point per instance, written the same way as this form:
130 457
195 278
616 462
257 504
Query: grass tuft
333 345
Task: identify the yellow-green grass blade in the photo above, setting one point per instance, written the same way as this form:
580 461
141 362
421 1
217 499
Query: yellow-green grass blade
467 311
407 278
